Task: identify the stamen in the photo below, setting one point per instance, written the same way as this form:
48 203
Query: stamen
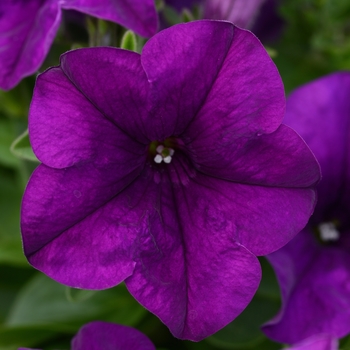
164 154
328 232
158 158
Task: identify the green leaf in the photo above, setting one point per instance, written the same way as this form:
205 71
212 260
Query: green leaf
22 149
43 303
129 41
11 251
7 134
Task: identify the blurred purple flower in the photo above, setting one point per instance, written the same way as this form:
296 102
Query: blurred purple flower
318 342
315 278
169 170
259 16
100 335
28 28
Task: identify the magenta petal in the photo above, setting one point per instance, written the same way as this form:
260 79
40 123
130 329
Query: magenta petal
272 159
100 335
63 132
246 99
137 15
318 342
181 64
27 30
315 289
119 87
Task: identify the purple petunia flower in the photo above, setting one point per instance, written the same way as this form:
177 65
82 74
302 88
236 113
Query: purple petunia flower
100 335
169 170
315 278
318 342
28 28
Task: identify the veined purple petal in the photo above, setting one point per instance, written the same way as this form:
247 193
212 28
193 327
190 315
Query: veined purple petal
190 271
246 99
27 30
181 64
266 160
100 335
137 15
66 128
120 88
70 225
315 281
318 342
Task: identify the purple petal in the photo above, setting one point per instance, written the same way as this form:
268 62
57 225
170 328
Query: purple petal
119 87
70 225
181 64
27 30
320 112
63 132
193 259
269 160
137 15
108 336
241 12
315 290
318 342
245 101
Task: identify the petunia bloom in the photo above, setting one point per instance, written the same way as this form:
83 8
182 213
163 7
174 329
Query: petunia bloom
28 28
313 270
169 170
100 335
317 342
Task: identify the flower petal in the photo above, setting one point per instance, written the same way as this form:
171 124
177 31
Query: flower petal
181 64
119 87
27 30
194 279
246 99
317 342
315 290
241 12
268 160
63 132
320 112
70 226
137 15
103 335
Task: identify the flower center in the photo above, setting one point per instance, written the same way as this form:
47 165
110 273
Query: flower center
164 154
162 151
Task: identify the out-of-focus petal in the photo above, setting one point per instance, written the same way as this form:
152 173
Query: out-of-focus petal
119 88
66 128
241 12
315 285
320 112
100 335
27 30
268 160
137 15
317 342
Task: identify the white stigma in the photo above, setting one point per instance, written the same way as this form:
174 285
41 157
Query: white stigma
164 154
328 232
